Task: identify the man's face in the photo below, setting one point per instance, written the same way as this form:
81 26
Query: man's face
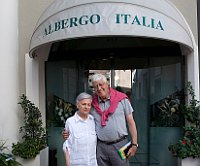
101 89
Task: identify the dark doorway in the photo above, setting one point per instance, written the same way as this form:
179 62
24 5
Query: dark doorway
152 70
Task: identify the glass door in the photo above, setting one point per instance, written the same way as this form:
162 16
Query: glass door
157 94
64 80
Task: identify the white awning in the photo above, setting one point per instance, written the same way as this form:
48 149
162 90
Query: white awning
69 19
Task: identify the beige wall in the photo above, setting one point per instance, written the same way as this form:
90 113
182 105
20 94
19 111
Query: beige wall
29 13
189 10
9 72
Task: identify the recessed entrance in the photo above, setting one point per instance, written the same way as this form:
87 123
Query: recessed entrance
151 70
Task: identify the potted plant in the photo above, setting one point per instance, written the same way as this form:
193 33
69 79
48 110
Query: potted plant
34 134
166 112
7 159
189 145
62 111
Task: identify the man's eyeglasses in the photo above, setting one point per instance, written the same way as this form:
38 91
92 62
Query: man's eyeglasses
99 85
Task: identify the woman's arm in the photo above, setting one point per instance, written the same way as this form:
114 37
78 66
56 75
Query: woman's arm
65 145
67 157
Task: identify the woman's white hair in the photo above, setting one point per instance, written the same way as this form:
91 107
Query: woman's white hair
82 96
96 77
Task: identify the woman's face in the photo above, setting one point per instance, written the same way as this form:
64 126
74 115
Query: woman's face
84 106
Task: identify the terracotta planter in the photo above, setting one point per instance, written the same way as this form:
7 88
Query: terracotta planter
189 162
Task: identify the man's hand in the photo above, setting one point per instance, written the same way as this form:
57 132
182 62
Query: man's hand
65 134
131 152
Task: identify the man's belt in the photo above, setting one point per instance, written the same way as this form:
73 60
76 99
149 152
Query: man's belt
113 142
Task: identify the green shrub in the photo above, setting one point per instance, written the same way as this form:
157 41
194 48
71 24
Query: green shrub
34 135
189 145
7 159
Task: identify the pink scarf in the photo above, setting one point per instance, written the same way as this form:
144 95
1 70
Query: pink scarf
115 98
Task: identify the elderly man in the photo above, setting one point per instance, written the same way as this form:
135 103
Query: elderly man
111 110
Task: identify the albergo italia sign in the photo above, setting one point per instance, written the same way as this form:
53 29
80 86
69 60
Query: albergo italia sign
94 19
107 19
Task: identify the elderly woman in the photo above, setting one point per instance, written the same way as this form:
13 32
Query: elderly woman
80 147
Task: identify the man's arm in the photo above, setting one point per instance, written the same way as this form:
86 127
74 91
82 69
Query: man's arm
133 133
65 134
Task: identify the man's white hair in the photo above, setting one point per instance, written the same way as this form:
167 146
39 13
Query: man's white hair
97 77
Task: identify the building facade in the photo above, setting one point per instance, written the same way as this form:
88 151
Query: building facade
50 48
